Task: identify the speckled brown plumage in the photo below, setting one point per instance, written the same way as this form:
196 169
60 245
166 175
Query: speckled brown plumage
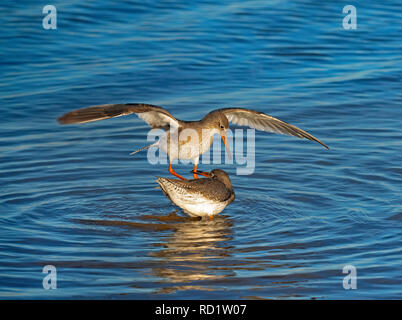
213 188
217 189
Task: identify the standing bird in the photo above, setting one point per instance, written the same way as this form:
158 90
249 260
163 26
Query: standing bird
198 134
200 197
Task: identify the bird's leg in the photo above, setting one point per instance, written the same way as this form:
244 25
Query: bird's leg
174 173
195 172
195 161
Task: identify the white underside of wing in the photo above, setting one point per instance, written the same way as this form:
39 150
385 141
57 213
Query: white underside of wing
158 119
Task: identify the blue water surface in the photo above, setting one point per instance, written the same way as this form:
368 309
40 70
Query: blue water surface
72 197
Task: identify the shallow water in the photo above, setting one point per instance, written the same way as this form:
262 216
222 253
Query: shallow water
72 197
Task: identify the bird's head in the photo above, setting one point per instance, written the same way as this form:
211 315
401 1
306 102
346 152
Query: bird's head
217 121
217 174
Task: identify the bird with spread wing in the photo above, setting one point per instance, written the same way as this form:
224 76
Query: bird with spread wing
198 134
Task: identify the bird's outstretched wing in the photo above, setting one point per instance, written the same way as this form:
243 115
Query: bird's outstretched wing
264 122
156 117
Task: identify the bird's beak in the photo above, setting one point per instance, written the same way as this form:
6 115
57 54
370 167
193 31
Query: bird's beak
225 142
205 174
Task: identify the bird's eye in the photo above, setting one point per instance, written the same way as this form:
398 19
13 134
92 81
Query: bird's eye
222 127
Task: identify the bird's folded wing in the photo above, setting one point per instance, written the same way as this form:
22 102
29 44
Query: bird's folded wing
208 188
156 117
264 122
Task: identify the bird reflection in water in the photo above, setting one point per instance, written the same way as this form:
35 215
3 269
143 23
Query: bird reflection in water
191 253
188 254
